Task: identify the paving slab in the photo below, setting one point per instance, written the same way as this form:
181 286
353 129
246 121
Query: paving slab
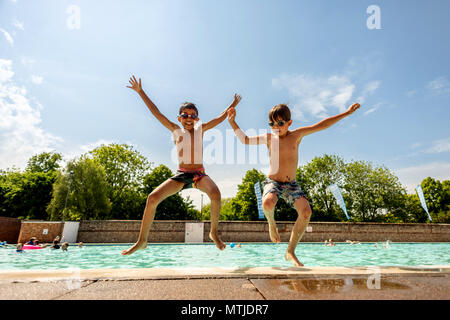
37 290
356 288
194 289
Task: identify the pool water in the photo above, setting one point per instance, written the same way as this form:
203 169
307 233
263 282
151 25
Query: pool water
207 255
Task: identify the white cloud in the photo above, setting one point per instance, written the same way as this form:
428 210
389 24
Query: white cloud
321 96
370 111
411 93
442 145
410 177
6 72
368 90
20 133
439 85
37 79
316 95
373 109
77 151
7 36
27 61
371 87
18 24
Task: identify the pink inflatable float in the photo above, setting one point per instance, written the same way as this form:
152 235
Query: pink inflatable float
30 247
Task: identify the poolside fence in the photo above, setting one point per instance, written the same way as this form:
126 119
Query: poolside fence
127 231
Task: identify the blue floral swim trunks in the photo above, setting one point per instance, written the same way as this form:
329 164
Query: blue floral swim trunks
289 191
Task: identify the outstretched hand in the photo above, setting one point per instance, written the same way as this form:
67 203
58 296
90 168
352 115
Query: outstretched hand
353 108
237 99
135 85
231 114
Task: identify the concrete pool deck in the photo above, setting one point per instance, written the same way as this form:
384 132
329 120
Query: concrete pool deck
261 283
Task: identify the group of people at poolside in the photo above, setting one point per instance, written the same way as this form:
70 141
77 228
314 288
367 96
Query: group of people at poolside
56 244
282 145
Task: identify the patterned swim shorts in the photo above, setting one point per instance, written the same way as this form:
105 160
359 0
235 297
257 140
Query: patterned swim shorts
190 178
289 191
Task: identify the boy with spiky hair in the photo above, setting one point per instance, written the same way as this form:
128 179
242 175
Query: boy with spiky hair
283 153
191 174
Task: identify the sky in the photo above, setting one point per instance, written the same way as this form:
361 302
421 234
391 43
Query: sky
65 65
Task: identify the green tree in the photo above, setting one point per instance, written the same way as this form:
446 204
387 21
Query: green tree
10 186
371 189
244 205
80 193
446 195
173 207
444 215
314 178
25 195
125 169
44 162
226 212
437 197
433 192
413 209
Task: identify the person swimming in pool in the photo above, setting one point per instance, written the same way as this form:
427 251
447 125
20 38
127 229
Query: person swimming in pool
55 243
40 245
19 247
32 241
188 140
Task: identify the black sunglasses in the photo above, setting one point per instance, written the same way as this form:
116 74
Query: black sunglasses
185 116
279 123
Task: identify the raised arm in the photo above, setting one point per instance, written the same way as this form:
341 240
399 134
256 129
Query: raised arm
137 86
326 123
214 122
261 139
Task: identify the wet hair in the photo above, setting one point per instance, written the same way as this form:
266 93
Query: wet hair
280 112
188 105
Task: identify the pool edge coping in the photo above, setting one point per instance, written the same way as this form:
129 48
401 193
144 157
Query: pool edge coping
78 275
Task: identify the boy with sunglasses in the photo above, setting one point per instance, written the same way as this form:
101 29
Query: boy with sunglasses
189 144
283 153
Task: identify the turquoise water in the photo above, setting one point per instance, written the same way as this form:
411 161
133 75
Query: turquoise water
207 255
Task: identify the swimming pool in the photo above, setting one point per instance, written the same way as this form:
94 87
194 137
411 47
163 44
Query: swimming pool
207 255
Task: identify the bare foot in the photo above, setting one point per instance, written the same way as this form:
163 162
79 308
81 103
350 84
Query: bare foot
219 244
293 257
273 232
137 246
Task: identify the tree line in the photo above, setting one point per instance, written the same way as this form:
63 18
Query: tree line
371 194
113 182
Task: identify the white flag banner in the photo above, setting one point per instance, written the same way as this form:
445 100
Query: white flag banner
338 196
422 200
259 200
